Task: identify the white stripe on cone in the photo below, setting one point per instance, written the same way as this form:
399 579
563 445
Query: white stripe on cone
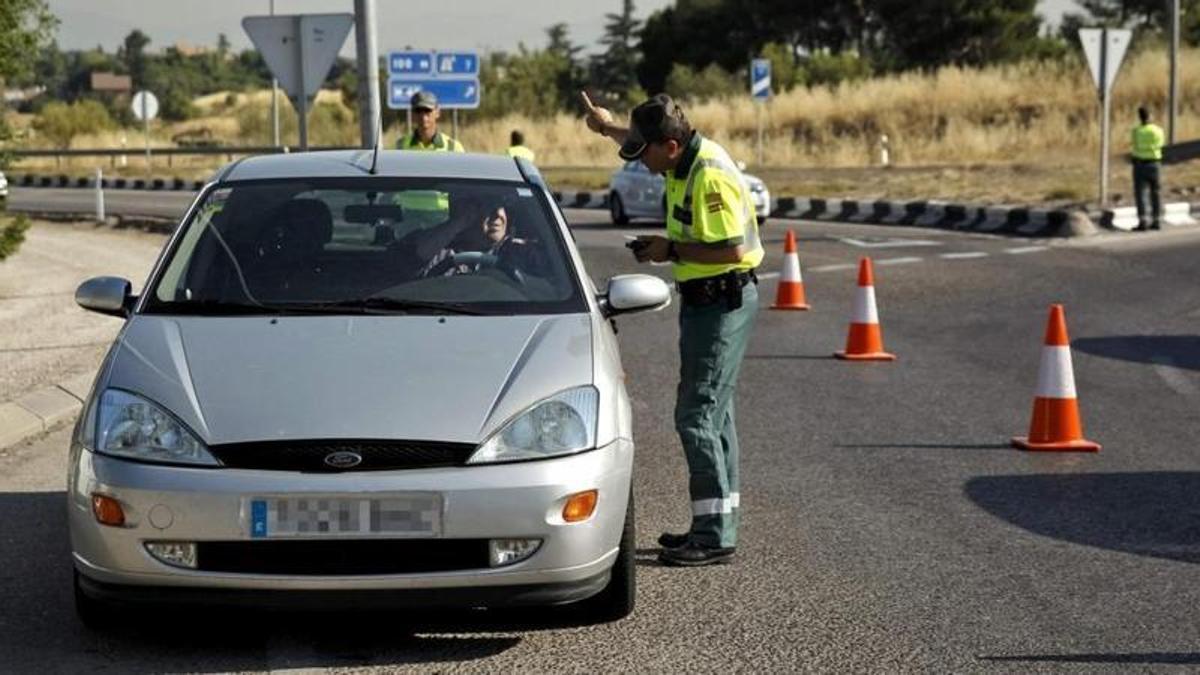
791 268
864 306
1056 377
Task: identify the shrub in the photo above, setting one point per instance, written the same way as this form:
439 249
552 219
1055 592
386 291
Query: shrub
12 233
61 122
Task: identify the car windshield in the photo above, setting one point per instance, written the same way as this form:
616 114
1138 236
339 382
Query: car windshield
369 245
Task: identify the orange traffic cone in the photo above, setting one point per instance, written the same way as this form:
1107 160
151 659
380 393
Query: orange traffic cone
1056 424
865 341
790 292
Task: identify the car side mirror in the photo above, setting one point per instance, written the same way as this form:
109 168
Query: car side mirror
107 295
632 293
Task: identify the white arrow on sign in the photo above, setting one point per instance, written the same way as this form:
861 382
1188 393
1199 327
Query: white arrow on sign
299 48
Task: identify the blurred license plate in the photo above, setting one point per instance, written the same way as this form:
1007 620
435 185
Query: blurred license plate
407 515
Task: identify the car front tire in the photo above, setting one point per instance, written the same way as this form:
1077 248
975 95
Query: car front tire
616 209
617 599
93 613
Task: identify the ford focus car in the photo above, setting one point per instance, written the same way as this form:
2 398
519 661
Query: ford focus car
635 192
359 379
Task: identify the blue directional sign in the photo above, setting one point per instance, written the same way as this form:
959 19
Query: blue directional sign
410 63
450 93
457 64
760 79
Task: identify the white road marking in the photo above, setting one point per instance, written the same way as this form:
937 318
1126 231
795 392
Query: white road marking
768 275
968 255
897 261
1175 378
889 243
1026 249
833 268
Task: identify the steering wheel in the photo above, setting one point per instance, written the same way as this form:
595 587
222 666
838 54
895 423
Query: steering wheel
480 260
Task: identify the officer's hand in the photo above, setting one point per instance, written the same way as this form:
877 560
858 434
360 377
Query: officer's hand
653 248
598 119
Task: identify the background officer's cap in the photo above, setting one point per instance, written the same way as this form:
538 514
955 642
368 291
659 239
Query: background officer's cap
423 100
651 122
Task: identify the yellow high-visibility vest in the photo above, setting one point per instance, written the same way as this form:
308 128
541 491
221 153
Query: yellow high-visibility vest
1148 141
520 151
439 143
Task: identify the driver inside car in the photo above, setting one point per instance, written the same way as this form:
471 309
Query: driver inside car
490 242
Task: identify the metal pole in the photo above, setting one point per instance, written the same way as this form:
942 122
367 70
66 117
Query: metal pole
100 196
1105 116
146 131
274 101
1173 99
758 110
302 101
454 123
368 70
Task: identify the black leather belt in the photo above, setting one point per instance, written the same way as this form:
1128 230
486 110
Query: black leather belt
710 290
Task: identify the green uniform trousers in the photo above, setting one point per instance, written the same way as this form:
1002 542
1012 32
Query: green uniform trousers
712 342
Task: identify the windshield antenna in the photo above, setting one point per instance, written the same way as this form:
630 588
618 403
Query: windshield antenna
378 139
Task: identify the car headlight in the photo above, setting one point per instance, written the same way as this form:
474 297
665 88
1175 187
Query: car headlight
132 427
563 424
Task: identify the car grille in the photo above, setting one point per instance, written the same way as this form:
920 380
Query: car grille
342 557
311 456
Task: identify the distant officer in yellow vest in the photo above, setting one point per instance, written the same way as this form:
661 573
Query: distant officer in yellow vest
425 134
516 146
712 239
1148 140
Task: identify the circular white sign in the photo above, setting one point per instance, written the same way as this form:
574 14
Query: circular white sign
144 105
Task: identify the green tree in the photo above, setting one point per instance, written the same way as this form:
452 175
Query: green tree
133 53
931 33
26 28
614 72
61 122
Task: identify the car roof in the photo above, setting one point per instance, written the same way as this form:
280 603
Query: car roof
356 163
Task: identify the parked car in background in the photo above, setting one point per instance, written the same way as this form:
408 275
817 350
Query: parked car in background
363 384
3 186
634 192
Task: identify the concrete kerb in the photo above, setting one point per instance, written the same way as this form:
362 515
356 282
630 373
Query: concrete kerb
42 410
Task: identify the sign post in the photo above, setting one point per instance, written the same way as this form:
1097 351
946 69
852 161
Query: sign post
760 91
299 49
1105 49
145 108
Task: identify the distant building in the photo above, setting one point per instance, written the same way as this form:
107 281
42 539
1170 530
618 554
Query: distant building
111 83
189 49
15 96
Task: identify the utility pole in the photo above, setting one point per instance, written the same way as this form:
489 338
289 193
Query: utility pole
274 100
368 71
1173 99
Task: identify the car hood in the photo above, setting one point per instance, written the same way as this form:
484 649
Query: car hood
449 378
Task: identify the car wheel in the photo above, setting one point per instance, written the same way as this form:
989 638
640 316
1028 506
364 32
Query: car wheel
93 613
616 209
617 599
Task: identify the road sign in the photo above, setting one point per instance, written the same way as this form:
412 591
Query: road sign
760 78
299 49
410 63
457 64
1105 50
451 94
144 105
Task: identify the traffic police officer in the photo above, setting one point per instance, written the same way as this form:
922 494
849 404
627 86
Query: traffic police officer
517 147
1148 142
712 239
425 134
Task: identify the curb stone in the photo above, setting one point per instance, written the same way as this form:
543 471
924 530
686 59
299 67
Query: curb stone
42 409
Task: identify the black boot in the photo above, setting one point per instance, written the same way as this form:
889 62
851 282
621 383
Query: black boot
692 554
672 540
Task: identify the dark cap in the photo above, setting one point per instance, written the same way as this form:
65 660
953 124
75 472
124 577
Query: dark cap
423 100
656 120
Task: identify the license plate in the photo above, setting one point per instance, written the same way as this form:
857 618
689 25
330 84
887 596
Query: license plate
407 515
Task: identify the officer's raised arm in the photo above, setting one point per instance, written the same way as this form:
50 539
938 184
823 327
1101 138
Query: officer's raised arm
601 120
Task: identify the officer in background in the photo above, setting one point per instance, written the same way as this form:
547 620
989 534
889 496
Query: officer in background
516 146
712 239
425 134
1148 140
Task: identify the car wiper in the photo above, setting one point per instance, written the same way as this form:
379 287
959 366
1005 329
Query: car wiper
384 305
211 308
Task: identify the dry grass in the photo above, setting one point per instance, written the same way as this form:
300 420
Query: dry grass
1026 132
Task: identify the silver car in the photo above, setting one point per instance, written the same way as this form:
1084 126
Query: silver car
373 384
635 192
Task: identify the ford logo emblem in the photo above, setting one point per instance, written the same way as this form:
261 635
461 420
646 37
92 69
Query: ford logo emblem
343 459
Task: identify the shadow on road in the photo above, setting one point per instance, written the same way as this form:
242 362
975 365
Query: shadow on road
1180 351
38 626
1154 514
926 446
1176 658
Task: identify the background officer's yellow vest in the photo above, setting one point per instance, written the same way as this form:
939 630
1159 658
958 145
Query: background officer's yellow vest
520 151
1148 142
684 212
439 143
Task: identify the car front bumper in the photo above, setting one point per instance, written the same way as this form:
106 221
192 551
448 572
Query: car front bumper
519 500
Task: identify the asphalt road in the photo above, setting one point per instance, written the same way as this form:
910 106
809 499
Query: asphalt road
887 524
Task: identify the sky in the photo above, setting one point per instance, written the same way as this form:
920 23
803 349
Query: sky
487 25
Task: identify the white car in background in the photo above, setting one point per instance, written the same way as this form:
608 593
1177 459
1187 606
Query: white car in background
634 192
3 186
